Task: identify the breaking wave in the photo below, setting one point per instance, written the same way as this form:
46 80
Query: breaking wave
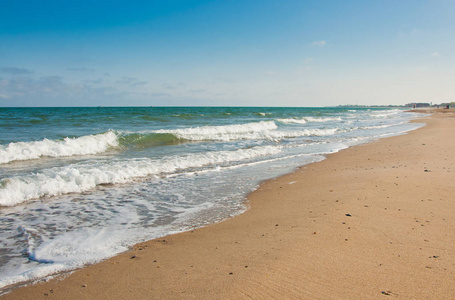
118 140
259 130
77 178
85 145
292 121
322 119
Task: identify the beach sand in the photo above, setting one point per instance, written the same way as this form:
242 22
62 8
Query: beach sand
370 222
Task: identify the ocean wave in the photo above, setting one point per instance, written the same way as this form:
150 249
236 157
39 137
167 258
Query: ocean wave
81 177
377 126
322 119
147 139
100 143
262 114
277 135
292 121
223 133
85 145
384 114
186 116
305 120
260 130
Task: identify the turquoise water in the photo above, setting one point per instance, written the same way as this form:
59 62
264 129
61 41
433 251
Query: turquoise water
78 185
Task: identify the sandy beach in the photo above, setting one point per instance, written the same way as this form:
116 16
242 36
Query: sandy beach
370 222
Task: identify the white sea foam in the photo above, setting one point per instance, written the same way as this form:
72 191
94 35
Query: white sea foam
263 114
384 114
301 133
85 145
222 133
249 131
377 126
322 119
88 245
71 250
77 178
291 121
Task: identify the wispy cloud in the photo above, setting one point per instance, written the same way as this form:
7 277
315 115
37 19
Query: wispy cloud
319 43
131 81
197 91
435 54
270 73
93 81
173 86
160 95
15 71
51 87
56 91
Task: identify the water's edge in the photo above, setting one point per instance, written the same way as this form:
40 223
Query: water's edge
245 202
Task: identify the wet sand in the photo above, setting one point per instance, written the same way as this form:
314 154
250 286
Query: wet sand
370 222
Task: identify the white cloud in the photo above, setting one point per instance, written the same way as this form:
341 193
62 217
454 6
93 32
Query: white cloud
270 73
435 54
319 43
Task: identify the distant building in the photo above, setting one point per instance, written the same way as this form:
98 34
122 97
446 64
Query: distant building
417 105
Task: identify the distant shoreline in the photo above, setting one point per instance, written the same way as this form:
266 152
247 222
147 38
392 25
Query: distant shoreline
220 106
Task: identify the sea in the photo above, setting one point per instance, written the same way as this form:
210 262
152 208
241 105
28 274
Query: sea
80 185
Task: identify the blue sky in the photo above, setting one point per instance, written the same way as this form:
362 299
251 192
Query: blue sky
249 53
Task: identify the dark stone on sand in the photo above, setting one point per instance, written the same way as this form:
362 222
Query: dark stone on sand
348 215
386 293
134 256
